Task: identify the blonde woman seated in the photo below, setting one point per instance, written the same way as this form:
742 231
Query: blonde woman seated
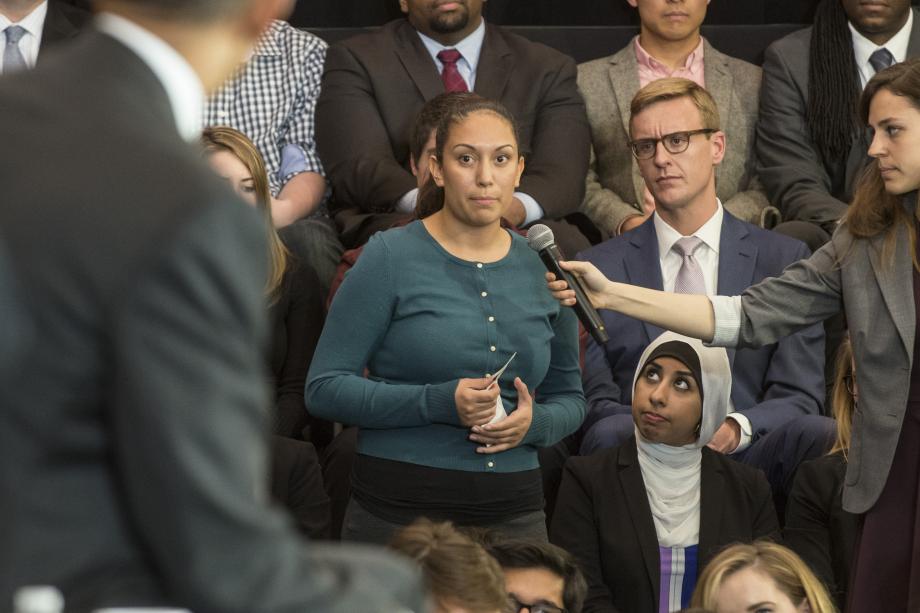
760 577
458 573
292 289
817 528
642 518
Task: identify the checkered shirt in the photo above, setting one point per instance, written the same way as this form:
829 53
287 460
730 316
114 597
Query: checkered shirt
272 100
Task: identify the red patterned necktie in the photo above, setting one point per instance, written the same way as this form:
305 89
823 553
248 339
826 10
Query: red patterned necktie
453 82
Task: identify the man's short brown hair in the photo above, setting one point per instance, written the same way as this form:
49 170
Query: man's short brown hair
457 570
673 88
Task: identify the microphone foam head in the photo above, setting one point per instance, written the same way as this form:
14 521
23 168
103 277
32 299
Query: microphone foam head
539 237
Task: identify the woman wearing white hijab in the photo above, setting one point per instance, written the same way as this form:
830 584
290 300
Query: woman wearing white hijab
644 518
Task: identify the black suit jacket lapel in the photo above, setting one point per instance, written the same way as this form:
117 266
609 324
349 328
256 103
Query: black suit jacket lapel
639 512
496 64
712 487
417 61
58 27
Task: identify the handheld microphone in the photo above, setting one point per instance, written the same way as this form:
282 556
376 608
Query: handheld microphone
541 239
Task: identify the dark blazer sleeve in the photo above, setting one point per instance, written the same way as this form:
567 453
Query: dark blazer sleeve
788 165
303 324
352 138
602 393
765 524
575 529
190 434
808 517
297 483
557 163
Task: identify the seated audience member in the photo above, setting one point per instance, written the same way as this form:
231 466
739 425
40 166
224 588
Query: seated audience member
292 290
297 484
616 197
762 576
539 577
693 245
461 577
430 311
811 146
644 517
272 100
375 84
30 27
817 528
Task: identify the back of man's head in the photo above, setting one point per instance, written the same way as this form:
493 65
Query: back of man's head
523 555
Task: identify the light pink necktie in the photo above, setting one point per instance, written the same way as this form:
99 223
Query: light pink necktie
690 276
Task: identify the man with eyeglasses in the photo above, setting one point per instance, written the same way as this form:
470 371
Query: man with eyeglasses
539 577
691 244
669 44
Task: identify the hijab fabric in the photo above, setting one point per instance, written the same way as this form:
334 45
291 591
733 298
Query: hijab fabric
672 474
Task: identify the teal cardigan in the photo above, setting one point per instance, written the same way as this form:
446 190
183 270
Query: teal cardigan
420 319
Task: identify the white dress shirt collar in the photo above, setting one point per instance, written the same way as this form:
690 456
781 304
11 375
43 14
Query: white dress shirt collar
896 45
33 24
182 85
710 232
469 48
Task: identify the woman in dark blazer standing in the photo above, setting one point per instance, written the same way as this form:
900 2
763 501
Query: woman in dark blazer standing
644 518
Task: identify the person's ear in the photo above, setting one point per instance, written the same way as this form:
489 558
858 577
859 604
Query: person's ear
717 141
520 171
435 170
633 3
413 166
404 6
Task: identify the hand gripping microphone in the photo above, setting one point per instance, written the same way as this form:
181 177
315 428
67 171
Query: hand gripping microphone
541 239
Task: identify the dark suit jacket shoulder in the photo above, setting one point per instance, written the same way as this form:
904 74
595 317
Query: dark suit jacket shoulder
375 84
603 518
770 385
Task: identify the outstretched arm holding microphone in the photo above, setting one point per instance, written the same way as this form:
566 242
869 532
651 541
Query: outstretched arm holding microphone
687 314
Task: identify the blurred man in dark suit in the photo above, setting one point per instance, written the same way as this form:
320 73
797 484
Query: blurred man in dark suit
133 447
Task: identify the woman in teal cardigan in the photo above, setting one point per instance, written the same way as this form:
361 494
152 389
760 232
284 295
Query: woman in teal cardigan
432 310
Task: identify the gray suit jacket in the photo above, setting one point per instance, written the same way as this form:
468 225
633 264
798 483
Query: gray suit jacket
876 294
798 180
133 448
615 189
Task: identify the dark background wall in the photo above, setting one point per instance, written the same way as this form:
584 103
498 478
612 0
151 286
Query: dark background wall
356 13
